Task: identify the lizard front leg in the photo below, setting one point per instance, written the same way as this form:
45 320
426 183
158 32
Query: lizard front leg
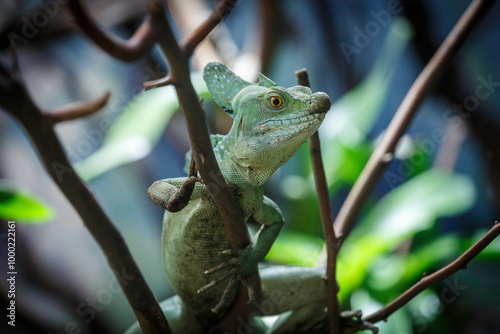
174 194
242 264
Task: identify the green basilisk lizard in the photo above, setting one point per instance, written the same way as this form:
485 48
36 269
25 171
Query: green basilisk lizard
270 124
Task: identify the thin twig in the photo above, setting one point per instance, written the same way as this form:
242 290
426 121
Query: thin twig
383 154
187 46
137 46
222 9
327 222
165 81
15 99
77 109
439 276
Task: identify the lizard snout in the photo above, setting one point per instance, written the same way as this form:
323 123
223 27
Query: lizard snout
320 103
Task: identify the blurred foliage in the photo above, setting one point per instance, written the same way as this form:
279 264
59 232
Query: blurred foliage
379 260
137 130
21 206
399 235
374 266
383 255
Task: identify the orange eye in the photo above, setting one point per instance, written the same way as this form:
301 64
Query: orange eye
276 101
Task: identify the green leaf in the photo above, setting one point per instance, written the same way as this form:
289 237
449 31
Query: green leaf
416 204
137 130
19 205
393 273
355 112
408 209
295 249
344 130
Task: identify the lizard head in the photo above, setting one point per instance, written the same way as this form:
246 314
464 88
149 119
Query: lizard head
270 122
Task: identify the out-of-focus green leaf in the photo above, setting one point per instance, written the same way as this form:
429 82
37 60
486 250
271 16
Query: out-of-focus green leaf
393 273
357 110
347 169
137 130
295 249
344 130
408 209
425 258
19 205
417 203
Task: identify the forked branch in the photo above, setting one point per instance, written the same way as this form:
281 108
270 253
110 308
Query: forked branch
384 151
136 47
222 9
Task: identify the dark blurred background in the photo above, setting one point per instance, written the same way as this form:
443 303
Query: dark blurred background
364 54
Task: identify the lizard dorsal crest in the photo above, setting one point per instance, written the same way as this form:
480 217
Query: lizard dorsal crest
266 82
223 84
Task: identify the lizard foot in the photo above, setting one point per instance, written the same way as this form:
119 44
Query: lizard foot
353 322
235 274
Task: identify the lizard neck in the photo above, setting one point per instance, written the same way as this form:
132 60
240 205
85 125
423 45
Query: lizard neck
243 165
238 168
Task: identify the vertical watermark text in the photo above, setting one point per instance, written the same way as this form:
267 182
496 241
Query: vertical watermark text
11 273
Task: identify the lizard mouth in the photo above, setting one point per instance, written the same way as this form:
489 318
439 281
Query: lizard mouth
296 122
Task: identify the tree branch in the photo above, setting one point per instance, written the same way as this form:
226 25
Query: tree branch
187 46
222 9
15 99
137 46
77 109
326 219
217 186
165 81
157 30
438 276
384 152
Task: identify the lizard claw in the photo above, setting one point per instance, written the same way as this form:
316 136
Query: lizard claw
223 265
252 292
225 295
228 273
240 269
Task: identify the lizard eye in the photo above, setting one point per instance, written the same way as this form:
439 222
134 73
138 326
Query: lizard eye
275 101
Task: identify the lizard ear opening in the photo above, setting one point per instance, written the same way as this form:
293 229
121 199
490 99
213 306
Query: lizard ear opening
223 85
266 82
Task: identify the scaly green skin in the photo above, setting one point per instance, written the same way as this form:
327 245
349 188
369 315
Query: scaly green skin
264 135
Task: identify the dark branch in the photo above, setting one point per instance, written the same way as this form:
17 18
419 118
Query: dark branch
326 219
15 99
201 148
438 276
77 109
222 9
378 161
137 46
